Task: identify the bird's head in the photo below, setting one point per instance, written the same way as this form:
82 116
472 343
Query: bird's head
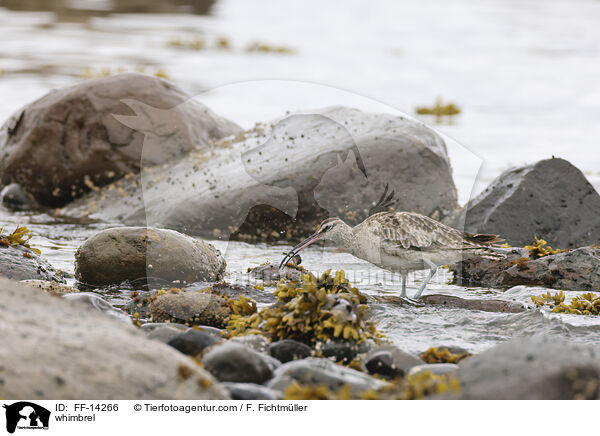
328 230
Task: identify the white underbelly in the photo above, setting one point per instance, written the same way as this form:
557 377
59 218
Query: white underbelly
409 260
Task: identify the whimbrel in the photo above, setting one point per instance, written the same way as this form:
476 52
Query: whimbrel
403 242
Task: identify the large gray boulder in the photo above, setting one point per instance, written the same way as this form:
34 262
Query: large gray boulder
146 255
87 135
59 349
280 180
550 199
20 263
534 368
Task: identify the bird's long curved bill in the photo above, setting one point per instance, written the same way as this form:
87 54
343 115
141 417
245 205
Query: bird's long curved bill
298 248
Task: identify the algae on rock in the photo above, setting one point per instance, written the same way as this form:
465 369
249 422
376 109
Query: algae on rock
310 311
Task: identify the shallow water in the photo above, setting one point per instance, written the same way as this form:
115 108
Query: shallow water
525 75
412 328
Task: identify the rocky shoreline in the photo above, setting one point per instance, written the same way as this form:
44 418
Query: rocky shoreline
185 333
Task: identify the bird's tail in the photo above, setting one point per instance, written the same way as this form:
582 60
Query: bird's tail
483 239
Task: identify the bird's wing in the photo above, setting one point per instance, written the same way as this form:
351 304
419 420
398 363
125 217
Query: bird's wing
399 231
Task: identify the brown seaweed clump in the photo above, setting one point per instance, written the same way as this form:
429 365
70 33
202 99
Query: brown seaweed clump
540 249
585 304
310 311
442 355
20 236
298 392
414 387
439 110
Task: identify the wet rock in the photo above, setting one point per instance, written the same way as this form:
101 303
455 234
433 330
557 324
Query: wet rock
279 180
287 350
341 351
85 136
533 368
190 308
382 363
87 355
164 333
238 363
551 199
192 342
316 371
150 326
473 304
50 286
140 254
434 368
250 391
256 342
14 197
20 263
96 302
401 359
574 270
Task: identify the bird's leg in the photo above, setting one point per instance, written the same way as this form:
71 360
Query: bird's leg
404 277
432 270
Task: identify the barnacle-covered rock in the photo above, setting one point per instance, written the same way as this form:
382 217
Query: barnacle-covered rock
311 311
190 308
280 179
577 269
51 286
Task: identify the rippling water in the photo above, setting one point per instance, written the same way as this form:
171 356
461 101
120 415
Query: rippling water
411 327
524 73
